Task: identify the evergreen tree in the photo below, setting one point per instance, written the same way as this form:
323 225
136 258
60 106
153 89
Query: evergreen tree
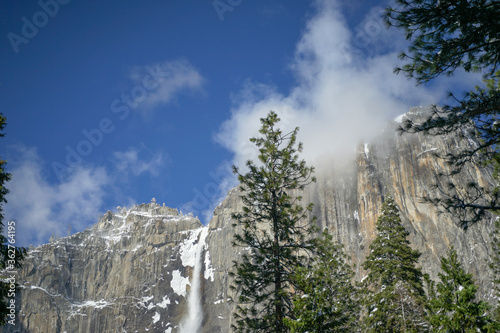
11 256
275 229
396 300
495 266
446 35
453 306
326 301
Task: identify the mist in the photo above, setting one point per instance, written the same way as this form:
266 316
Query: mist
345 90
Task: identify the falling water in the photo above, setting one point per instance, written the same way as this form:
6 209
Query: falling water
191 323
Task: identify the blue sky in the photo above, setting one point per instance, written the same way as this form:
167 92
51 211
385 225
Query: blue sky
111 103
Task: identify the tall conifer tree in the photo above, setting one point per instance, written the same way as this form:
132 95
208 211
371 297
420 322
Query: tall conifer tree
275 228
396 301
327 300
495 266
454 307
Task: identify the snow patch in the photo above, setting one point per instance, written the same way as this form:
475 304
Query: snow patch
209 271
188 248
399 119
164 303
426 151
94 304
156 317
42 289
76 308
179 283
367 150
143 302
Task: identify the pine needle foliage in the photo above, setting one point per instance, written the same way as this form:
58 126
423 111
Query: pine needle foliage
446 35
453 305
495 266
396 299
326 298
274 229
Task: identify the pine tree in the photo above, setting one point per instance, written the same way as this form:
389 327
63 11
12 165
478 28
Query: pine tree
11 256
454 307
326 299
446 35
495 266
495 258
396 301
275 229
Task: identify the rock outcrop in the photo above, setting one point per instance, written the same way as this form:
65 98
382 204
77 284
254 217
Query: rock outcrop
128 273
131 271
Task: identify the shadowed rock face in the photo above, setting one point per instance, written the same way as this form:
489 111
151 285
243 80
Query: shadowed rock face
130 271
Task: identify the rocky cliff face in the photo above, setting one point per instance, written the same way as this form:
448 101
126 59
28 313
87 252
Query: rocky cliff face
133 270
128 273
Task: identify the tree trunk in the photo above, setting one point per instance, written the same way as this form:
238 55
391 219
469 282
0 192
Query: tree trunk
277 270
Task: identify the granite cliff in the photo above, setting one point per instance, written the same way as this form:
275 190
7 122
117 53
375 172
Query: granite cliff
145 268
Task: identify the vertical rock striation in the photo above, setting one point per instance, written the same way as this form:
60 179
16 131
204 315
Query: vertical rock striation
348 200
129 272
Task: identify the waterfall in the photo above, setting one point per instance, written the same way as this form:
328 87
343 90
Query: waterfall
191 323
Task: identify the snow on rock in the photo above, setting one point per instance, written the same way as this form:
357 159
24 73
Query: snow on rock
188 248
144 302
164 302
209 271
426 151
77 308
399 119
156 317
179 283
93 304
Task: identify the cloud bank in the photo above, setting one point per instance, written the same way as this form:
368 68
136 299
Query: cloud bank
130 161
160 83
345 89
43 209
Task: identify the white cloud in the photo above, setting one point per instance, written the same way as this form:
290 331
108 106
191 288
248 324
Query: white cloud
129 161
159 83
345 92
42 209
